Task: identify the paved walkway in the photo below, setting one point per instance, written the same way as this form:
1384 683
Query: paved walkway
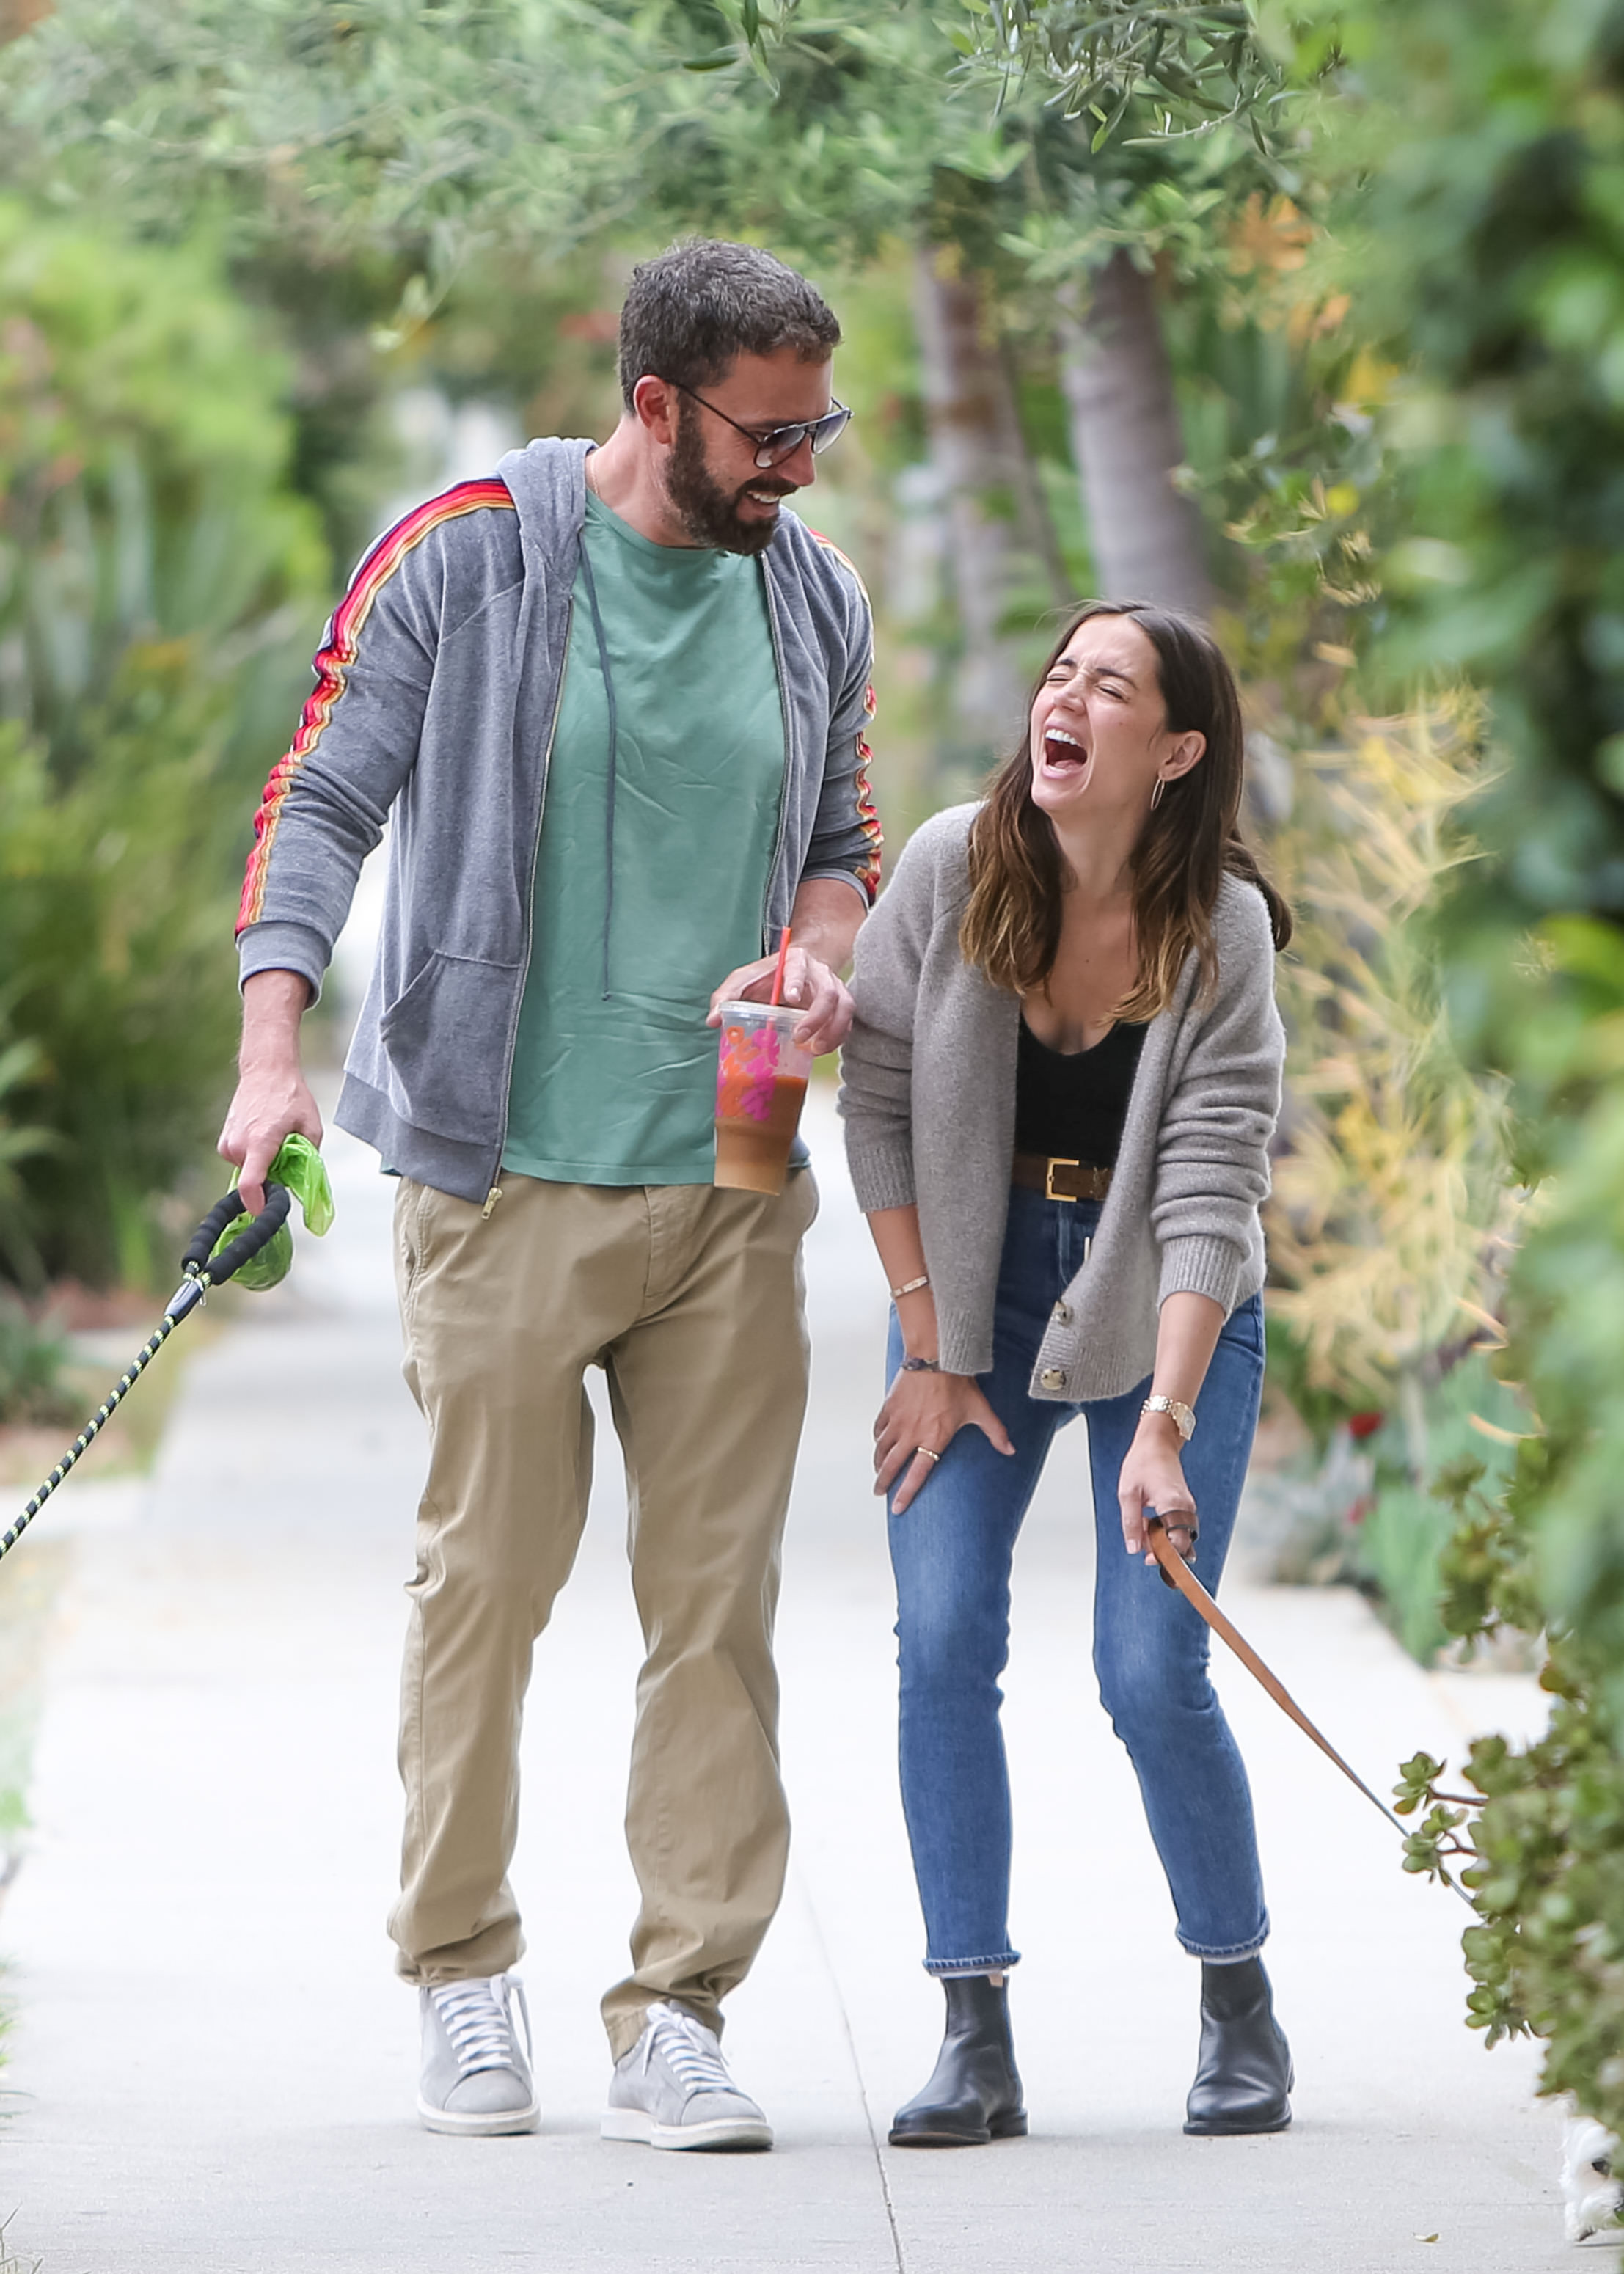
217 2068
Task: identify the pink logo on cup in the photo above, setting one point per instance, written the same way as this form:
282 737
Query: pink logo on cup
749 1060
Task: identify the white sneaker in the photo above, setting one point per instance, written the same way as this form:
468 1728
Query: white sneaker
672 2090
475 2078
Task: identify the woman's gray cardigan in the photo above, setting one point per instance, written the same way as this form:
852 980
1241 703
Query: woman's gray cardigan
928 1092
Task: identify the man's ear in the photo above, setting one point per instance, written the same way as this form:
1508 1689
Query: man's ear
654 405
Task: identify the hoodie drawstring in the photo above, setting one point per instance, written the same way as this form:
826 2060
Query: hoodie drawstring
614 741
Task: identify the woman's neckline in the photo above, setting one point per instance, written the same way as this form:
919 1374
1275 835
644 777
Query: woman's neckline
1088 1049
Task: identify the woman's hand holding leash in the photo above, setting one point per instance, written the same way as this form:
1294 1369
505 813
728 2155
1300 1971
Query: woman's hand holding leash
923 1414
1152 1483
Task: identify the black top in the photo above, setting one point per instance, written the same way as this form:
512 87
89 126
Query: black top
1071 1104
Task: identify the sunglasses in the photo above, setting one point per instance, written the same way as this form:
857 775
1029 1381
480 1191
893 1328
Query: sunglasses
777 443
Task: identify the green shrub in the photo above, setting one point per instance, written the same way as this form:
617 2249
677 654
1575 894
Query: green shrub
1475 164
32 1359
159 587
115 924
1376 1505
18 1061
1471 1424
1399 1542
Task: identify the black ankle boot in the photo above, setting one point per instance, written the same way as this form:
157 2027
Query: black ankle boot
1243 2074
973 2095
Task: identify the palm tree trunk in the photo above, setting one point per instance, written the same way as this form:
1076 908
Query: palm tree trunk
1126 440
976 443
1037 521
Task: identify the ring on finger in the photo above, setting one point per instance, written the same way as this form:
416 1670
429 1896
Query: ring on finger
932 1458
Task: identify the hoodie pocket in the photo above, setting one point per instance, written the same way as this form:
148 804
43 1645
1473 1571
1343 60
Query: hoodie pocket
446 1039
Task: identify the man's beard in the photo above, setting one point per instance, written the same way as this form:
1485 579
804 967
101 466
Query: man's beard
708 512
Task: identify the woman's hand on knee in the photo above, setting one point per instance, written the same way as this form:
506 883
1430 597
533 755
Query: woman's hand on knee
921 1416
1152 1482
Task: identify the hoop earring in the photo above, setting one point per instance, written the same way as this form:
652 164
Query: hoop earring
1155 795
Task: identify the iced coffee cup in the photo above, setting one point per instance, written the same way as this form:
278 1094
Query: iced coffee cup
761 1080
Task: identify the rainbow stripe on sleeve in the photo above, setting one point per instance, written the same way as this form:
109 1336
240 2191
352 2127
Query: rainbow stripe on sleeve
868 814
334 661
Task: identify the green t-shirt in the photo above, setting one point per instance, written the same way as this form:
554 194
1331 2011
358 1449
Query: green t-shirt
620 1089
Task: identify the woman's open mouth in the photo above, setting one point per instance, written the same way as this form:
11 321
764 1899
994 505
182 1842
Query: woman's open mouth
1064 755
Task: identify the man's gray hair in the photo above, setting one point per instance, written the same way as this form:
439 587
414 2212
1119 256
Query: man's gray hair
690 312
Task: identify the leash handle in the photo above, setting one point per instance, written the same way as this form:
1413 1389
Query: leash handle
1177 1573
270 1220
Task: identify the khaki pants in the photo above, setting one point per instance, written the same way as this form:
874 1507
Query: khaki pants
690 1298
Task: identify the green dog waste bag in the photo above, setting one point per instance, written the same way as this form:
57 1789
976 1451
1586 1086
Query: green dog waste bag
301 1169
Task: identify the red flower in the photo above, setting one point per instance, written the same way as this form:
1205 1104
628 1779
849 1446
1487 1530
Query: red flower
1365 1425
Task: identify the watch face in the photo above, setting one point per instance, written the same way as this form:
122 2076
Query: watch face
1179 1414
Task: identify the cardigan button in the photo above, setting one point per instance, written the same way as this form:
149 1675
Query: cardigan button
1052 1377
1062 1315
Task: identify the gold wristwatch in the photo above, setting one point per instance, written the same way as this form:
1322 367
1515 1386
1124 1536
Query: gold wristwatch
1183 1419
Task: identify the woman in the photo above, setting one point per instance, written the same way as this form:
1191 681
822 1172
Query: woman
1058 1093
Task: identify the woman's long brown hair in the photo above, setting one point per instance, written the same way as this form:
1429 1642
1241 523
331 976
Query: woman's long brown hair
1010 928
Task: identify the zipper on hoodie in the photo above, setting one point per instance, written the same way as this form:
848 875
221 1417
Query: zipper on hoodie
495 1192
783 825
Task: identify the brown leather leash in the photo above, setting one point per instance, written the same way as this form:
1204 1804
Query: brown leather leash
1177 1574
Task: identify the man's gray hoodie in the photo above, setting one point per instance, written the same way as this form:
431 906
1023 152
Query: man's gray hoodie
437 690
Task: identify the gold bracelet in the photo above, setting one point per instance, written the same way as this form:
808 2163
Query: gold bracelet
910 1287
1183 1419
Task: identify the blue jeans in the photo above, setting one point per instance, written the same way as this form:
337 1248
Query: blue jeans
951 1553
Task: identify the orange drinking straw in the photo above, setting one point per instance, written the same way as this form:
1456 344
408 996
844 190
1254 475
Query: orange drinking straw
777 976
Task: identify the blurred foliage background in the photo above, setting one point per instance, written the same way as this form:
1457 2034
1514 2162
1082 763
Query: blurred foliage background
1308 314
158 573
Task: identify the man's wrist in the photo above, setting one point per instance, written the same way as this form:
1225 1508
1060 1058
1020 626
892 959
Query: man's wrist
270 1050
274 1008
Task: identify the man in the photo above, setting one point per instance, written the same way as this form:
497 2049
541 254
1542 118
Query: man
613 702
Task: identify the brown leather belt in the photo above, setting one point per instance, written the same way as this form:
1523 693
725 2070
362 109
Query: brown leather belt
1059 1179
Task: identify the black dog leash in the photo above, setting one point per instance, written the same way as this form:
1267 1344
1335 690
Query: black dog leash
202 1272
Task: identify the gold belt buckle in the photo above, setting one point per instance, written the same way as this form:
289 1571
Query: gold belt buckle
1055 1162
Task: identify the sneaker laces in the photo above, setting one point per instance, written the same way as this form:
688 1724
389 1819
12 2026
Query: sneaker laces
478 2019
688 2049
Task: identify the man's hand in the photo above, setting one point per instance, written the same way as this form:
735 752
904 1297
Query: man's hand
824 922
809 987
273 1098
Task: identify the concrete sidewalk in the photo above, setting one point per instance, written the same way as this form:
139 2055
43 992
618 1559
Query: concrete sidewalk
216 2069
